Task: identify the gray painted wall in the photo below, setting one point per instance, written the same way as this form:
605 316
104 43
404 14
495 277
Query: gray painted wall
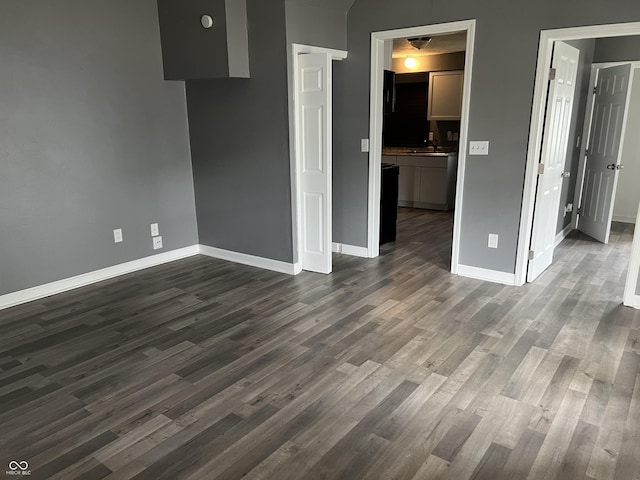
572 163
617 49
91 139
317 26
240 146
506 44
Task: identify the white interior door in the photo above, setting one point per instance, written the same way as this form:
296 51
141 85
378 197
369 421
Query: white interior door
313 88
604 151
554 154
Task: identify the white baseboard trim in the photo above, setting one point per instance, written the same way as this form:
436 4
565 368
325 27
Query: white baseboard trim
487 275
251 260
350 250
60 286
563 234
624 219
633 302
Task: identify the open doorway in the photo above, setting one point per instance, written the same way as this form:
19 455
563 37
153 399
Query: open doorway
604 139
430 142
420 133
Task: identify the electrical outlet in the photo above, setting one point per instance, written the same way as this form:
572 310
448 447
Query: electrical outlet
117 235
157 243
493 240
155 230
449 135
479 148
431 136
364 145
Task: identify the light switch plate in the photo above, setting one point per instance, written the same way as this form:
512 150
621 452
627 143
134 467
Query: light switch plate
157 243
117 235
364 145
155 230
493 240
479 148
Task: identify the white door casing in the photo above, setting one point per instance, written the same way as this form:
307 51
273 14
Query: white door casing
604 151
553 157
545 50
378 59
631 293
314 98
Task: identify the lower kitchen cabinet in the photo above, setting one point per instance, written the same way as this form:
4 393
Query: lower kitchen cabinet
427 181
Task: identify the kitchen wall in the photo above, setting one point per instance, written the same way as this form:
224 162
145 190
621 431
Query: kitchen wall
572 162
506 50
431 63
91 139
408 125
240 146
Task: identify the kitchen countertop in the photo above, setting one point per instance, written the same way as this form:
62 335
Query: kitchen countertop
416 152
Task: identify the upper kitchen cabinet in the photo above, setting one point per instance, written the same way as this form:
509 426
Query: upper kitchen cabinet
445 95
204 39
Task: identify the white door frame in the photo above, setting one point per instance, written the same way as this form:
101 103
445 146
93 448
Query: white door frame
586 131
630 298
547 37
296 158
376 119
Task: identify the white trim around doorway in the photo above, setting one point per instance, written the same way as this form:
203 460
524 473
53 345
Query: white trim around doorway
541 90
375 127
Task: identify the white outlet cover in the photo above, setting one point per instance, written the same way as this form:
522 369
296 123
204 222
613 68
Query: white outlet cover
157 243
479 148
117 235
493 240
364 145
155 230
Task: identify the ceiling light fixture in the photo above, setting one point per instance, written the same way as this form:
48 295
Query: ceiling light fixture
420 42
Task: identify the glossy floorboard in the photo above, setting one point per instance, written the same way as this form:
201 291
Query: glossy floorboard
388 368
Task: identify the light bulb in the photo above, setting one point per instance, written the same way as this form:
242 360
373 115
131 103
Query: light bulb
410 62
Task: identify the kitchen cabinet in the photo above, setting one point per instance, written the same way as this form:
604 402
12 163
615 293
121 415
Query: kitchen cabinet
445 95
426 181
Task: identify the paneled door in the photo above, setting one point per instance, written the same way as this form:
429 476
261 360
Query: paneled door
554 154
314 99
604 151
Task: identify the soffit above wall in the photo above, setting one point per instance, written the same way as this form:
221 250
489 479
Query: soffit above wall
342 5
456 42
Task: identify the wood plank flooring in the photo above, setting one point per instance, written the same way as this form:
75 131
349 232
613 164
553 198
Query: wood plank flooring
389 368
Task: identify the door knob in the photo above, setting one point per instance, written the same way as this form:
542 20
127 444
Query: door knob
619 167
611 166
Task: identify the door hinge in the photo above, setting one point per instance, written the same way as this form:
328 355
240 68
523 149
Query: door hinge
552 74
532 255
595 89
540 168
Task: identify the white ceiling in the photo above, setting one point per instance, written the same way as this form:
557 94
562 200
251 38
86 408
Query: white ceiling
342 5
455 42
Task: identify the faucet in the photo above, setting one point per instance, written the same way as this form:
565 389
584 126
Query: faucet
433 143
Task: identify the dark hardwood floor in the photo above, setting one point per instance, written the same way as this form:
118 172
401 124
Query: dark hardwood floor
387 369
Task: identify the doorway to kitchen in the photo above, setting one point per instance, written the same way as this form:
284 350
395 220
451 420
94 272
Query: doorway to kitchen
423 135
